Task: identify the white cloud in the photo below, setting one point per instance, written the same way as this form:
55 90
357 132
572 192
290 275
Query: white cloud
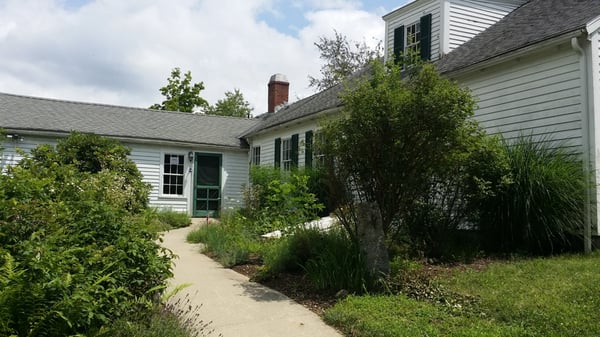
121 52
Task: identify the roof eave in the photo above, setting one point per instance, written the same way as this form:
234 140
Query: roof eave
302 119
517 52
129 139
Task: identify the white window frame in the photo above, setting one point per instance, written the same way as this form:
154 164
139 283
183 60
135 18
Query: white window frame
163 174
286 154
255 155
318 155
412 37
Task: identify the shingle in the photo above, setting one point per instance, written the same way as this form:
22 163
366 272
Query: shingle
40 114
533 22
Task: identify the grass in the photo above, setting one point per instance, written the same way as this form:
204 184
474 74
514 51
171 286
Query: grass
557 296
229 245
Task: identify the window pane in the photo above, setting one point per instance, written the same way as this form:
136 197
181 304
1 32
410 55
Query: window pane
213 205
165 189
179 180
180 190
213 194
202 194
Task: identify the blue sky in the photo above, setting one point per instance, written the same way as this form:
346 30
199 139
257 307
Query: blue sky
122 51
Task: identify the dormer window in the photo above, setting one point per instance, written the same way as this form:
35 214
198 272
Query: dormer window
414 37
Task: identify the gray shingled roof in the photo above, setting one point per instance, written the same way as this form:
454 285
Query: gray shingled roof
319 102
533 22
325 100
49 115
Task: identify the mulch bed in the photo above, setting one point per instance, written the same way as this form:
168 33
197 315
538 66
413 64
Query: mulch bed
294 286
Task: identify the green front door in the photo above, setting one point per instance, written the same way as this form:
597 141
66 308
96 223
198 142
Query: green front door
207 184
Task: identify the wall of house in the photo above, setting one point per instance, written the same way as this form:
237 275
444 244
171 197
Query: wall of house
410 14
539 94
149 160
466 18
593 48
266 141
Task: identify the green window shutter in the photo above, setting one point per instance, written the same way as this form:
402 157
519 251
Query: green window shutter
398 43
308 153
426 37
294 153
277 152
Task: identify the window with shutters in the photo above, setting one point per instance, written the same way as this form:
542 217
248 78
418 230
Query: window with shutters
172 182
255 159
414 38
286 154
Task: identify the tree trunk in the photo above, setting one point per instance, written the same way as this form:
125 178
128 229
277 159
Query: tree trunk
371 239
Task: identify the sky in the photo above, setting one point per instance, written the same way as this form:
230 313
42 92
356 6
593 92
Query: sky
122 51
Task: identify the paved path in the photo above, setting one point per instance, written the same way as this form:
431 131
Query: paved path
236 306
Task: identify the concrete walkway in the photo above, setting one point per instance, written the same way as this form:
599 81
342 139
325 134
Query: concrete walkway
236 306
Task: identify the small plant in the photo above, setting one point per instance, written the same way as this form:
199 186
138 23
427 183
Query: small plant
173 219
226 241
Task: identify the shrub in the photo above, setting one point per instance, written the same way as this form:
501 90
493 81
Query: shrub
442 221
330 259
226 241
277 200
541 211
75 253
173 219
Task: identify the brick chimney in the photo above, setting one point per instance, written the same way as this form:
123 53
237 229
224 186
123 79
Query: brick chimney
279 88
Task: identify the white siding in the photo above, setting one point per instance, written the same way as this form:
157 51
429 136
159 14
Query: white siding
267 141
9 152
539 95
411 15
148 158
234 176
467 18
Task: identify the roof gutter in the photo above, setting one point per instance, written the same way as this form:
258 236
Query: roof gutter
514 53
125 139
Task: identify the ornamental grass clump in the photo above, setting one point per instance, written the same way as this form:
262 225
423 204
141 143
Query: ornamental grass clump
541 210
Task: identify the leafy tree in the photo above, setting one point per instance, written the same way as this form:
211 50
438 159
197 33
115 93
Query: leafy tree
180 94
342 58
402 127
233 105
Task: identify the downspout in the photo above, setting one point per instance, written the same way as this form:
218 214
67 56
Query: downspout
587 223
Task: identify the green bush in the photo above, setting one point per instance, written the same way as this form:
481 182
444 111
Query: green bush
330 259
541 210
441 222
75 253
173 219
278 200
226 241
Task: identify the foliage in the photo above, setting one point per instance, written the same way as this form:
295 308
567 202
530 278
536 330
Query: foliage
442 223
226 241
278 200
233 105
173 219
541 211
75 255
342 58
173 318
534 297
339 265
180 94
402 128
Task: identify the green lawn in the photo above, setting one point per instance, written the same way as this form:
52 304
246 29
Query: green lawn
557 296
